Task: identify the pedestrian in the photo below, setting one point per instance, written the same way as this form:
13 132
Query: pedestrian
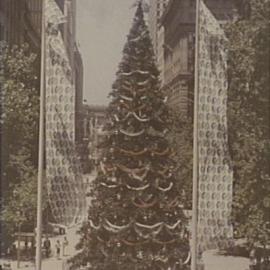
47 246
58 248
252 258
265 260
65 244
258 256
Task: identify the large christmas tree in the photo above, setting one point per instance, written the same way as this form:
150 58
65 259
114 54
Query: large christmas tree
136 219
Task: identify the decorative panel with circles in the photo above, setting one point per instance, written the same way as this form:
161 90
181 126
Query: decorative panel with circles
63 173
215 172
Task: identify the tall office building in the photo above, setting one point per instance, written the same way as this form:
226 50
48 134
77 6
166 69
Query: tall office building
20 22
156 10
157 7
3 21
178 23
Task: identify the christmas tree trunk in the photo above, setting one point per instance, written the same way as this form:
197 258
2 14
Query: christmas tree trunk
136 219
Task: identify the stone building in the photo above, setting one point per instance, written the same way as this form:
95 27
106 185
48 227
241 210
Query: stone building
20 22
175 45
156 10
93 120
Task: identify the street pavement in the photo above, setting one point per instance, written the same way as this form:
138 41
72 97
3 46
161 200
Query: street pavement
212 260
52 263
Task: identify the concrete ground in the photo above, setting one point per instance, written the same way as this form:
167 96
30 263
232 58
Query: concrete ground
212 260
52 263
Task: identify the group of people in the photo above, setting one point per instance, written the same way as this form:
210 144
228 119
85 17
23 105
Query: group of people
259 259
58 246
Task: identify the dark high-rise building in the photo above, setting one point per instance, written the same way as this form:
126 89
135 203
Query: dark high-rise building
3 21
20 22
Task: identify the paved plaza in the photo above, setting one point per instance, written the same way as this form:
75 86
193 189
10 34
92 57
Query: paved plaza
212 260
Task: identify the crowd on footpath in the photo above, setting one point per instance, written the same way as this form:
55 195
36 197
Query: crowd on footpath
259 259
47 247
60 250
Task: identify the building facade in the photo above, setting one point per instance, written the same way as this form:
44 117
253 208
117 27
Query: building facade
93 120
78 69
156 10
157 7
175 47
3 21
20 22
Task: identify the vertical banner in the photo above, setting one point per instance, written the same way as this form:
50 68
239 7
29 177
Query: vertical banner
63 173
215 175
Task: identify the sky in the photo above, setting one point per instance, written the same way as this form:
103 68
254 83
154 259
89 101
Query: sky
102 27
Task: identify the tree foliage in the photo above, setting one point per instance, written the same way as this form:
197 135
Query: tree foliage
19 133
249 114
136 220
181 137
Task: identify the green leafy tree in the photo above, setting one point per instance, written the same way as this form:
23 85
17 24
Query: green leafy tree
249 114
136 219
19 133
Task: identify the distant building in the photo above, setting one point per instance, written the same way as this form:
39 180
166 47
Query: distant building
93 121
178 22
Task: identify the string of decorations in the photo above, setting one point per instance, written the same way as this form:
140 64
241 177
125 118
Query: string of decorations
134 72
128 115
121 228
136 173
166 189
144 204
138 188
132 134
144 151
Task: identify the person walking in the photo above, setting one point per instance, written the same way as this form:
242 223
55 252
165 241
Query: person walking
252 258
58 248
65 245
47 246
